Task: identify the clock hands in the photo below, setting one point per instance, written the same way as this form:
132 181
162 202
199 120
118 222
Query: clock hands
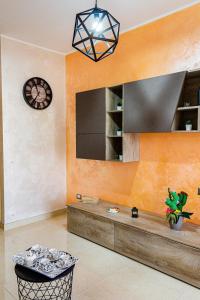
38 92
36 88
35 98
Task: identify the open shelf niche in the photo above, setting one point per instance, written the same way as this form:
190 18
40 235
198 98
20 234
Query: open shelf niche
120 146
188 107
114 123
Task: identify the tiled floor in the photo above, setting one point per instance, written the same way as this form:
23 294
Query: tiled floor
99 274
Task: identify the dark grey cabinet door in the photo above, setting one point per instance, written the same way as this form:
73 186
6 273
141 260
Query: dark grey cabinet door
90 146
150 104
90 111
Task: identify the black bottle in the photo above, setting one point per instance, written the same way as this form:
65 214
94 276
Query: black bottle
134 211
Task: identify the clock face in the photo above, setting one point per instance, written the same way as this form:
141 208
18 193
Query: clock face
37 93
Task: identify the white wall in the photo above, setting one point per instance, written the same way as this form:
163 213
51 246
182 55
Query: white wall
1 148
34 141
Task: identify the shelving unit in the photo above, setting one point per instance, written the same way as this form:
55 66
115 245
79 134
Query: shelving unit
115 111
189 112
118 148
114 122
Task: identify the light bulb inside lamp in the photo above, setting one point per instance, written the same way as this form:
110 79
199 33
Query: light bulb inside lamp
97 25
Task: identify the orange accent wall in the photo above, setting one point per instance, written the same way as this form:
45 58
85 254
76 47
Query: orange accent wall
167 160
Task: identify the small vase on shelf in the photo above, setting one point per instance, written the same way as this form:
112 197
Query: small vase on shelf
119 132
188 126
186 103
119 106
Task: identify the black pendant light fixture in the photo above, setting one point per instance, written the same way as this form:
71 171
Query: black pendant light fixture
96 33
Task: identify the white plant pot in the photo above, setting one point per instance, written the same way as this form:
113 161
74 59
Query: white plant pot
120 157
119 107
119 133
188 127
178 225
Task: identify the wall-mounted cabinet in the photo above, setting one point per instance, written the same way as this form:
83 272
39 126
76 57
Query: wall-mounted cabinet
150 104
100 127
108 120
187 117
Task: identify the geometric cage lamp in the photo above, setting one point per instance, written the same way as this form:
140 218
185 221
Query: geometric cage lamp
96 33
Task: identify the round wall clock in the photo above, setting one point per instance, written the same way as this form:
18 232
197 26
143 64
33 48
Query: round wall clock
37 93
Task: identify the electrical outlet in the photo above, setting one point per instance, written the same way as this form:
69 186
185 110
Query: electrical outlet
198 192
78 196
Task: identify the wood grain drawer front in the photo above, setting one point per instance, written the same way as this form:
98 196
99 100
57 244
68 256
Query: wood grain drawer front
176 259
94 228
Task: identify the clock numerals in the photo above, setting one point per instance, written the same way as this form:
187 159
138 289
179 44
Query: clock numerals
41 105
33 103
37 105
35 81
28 88
48 92
45 103
28 94
29 99
43 84
30 84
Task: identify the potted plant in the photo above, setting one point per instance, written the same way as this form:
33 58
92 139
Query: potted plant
119 106
119 132
175 213
121 157
188 125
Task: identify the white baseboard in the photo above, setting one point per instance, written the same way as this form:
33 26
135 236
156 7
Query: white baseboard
31 220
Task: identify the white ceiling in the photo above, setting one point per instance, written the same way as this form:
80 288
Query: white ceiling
49 23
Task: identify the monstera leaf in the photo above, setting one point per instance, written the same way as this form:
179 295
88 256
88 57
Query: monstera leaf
182 200
173 200
173 218
186 214
171 204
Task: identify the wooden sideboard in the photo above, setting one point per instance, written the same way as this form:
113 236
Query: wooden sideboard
147 239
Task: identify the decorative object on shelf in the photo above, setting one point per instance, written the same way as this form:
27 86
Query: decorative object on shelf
96 33
119 132
186 103
37 93
121 157
188 125
134 211
49 262
89 200
174 212
113 210
119 106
